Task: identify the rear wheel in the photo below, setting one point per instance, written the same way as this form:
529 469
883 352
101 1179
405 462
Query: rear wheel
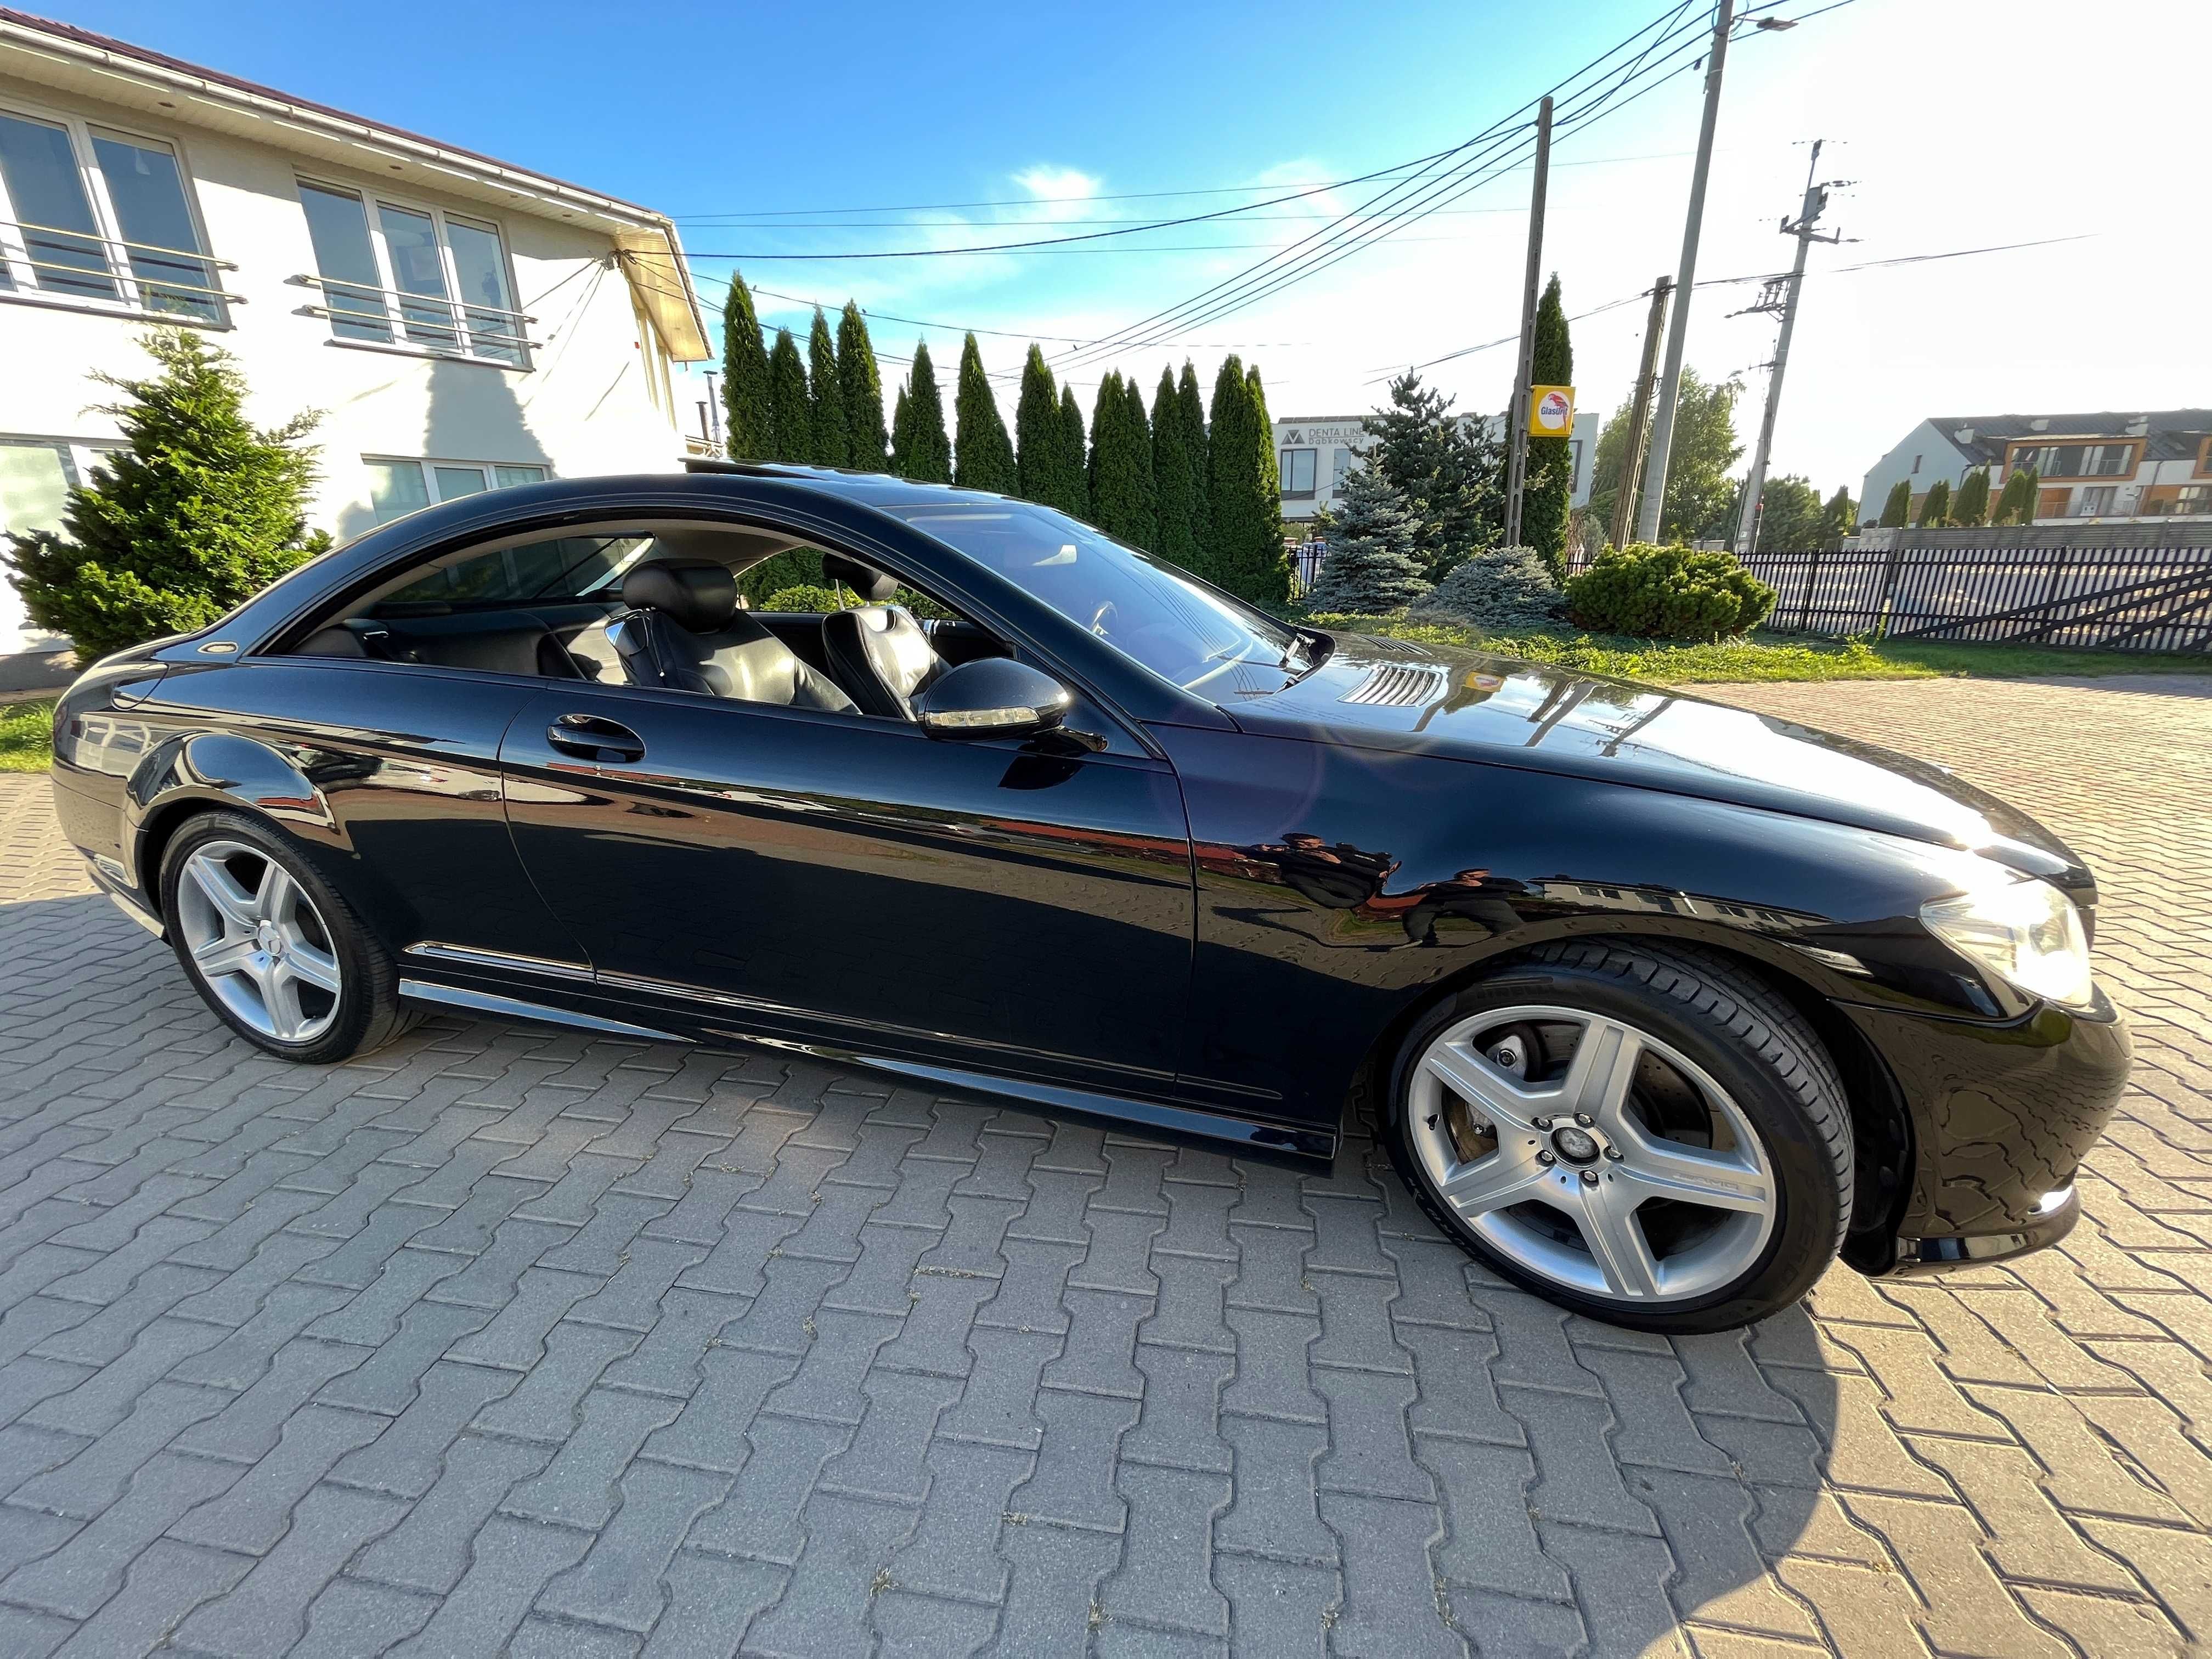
273 946
1647 1135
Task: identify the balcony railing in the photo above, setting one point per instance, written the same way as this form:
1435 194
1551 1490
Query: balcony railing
426 322
142 277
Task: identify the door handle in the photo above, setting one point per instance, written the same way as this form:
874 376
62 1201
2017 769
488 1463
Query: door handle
589 736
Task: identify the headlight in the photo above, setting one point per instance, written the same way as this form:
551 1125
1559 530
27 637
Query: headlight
2026 932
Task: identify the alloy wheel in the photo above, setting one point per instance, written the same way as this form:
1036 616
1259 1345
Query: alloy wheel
258 941
1592 1154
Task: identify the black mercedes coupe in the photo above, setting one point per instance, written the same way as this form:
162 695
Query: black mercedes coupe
1657 1005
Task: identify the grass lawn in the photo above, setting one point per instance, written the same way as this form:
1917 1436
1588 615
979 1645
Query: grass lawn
25 735
1766 656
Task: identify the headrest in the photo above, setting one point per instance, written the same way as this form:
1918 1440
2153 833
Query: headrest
873 586
697 594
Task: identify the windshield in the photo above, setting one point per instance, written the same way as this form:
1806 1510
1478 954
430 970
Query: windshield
1183 630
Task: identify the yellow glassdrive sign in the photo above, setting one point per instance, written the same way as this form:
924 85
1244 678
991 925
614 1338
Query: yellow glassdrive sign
1551 411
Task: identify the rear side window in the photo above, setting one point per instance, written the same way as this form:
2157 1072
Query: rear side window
564 567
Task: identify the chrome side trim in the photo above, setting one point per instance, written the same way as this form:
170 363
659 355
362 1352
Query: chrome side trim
464 956
484 1002
117 895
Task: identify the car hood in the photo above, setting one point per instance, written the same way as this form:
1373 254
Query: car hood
1409 697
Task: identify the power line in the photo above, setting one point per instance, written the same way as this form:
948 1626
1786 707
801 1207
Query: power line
1381 216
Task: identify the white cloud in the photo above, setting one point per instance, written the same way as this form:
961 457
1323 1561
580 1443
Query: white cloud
1050 184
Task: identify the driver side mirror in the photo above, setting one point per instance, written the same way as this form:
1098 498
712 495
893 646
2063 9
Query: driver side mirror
993 698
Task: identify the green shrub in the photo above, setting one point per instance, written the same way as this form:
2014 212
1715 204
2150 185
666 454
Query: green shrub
805 598
1500 590
1669 592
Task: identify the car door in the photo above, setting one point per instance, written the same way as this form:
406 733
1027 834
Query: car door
795 873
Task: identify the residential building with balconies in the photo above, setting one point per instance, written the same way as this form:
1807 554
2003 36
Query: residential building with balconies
461 323
2107 465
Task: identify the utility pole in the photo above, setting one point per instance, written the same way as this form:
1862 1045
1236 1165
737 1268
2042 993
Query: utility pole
1524 376
1685 279
1639 415
1781 296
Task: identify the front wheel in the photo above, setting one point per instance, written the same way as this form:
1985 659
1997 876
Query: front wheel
272 947
1647 1135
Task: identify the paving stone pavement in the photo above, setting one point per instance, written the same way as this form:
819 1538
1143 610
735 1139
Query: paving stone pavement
511 1339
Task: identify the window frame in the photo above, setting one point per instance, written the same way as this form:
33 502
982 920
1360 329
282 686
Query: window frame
428 465
2204 459
1289 491
2022 453
114 252
392 299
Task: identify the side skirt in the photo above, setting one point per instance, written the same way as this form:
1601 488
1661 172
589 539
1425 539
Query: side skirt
484 1002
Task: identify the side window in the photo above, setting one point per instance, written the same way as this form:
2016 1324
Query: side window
563 568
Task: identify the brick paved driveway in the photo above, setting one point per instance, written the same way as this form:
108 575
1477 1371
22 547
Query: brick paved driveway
507 1338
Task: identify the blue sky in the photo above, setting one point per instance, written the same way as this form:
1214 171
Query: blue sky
1934 106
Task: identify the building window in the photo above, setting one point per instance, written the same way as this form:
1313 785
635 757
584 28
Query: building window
1916 463
2193 498
398 487
2076 461
1339 466
101 218
1298 474
2095 502
393 274
2205 459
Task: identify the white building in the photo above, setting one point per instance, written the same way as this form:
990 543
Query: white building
461 323
1313 452
2107 465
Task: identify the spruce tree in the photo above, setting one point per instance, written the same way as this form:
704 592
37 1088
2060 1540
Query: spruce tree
825 398
1177 489
1245 554
197 510
1037 453
1074 474
928 450
1374 563
1191 403
984 458
2016 502
748 423
860 383
1897 506
1450 471
791 416
1935 505
1549 480
1970 506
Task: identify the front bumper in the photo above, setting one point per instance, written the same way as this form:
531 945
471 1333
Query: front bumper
2002 1116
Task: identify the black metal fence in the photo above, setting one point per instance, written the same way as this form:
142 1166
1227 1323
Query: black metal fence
2110 595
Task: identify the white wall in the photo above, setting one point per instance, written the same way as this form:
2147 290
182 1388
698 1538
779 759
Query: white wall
585 404
1326 433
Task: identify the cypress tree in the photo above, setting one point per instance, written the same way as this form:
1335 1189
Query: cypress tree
1935 505
1177 540
1075 480
2016 502
861 385
1190 402
1838 518
791 420
749 425
1970 506
984 458
1550 477
1896 507
1246 552
928 450
902 440
1137 433
1037 458
825 399
197 510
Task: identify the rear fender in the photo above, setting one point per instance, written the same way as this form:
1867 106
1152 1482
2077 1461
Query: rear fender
206 770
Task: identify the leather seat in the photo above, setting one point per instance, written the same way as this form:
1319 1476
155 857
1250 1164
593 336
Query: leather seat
683 632
878 652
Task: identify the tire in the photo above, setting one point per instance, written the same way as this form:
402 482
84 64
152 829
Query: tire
285 963
1751 1214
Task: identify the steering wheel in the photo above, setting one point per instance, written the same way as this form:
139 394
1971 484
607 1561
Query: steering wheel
1104 614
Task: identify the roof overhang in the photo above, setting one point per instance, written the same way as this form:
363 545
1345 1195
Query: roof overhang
65 59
